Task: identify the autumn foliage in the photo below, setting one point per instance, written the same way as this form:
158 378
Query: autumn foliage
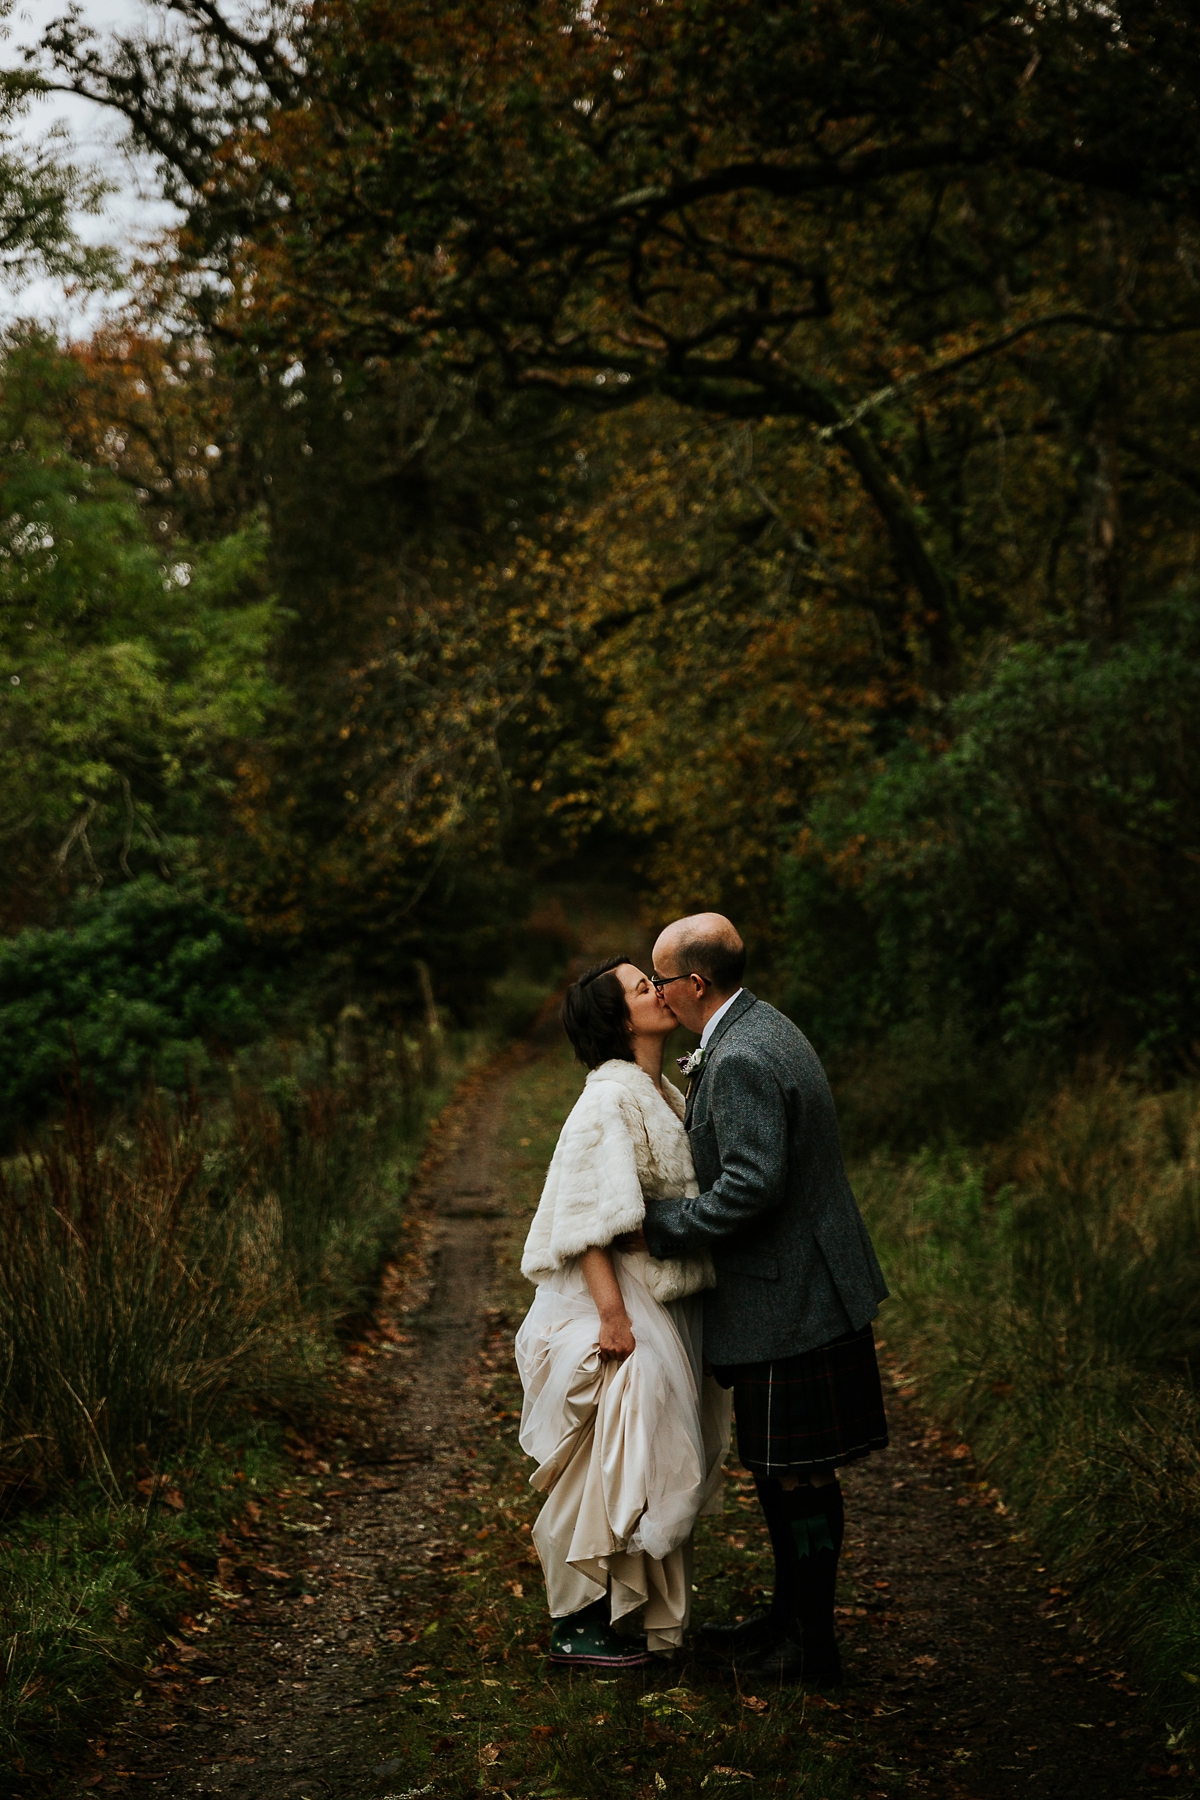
664 424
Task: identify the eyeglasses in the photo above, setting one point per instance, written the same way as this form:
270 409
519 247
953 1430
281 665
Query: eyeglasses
659 982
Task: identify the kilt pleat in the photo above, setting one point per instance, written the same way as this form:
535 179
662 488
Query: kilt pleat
821 1409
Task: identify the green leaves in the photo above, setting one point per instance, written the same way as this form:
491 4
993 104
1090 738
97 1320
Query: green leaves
1039 877
42 194
144 982
126 667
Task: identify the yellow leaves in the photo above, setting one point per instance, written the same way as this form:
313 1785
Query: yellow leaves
733 682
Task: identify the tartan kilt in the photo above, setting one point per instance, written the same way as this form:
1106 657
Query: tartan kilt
818 1410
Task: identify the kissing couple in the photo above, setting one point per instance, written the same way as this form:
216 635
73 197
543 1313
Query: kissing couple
689 1259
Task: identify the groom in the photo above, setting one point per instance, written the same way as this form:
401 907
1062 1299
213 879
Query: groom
788 1325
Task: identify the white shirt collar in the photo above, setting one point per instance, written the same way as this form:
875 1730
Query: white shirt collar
716 1019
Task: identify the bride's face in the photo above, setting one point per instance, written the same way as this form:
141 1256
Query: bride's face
649 1014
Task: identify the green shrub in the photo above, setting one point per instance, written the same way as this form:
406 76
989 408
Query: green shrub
1036 879
145 984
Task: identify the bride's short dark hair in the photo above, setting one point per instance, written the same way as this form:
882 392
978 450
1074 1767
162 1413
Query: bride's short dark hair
596 1018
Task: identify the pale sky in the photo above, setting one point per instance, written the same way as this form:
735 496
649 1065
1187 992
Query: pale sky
135 212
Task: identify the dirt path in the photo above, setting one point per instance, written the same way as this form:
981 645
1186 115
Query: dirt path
284 1711
983 1677
972 1679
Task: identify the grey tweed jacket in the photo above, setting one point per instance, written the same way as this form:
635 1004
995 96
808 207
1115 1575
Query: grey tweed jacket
795 1264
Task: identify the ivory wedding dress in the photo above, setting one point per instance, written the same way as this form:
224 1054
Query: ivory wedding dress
629 1454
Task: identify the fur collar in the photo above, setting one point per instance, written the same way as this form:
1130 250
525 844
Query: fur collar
622 1143
634 1079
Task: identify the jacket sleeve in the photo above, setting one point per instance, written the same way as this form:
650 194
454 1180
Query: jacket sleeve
749 1115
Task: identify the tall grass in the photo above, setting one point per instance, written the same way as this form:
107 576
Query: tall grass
134 1294
168 1267
172 1283
1048 1295
192 1256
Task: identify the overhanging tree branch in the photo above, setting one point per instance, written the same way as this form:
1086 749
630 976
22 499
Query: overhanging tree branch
1087 321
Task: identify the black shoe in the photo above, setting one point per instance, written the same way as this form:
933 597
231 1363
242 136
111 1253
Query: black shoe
785 1661
741 1637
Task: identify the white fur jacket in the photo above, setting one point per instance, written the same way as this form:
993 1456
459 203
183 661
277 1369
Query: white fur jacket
622 1144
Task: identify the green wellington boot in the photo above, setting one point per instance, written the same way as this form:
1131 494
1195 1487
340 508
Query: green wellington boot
588 1639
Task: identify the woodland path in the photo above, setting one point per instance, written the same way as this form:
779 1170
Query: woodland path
971 1677
289 1715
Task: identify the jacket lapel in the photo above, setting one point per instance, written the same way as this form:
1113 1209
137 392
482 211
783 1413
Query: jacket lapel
738 1010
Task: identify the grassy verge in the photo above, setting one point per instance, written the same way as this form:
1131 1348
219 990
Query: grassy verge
1047 1301
172 1292
480 1711
90 1584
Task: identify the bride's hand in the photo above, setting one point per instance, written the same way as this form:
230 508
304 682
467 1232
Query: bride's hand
615 1342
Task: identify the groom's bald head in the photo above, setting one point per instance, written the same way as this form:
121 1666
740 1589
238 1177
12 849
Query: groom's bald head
705 944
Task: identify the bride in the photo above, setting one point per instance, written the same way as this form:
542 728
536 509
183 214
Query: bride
627 1431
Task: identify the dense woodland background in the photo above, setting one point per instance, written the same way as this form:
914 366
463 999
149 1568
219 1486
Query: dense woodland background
745 453
735 456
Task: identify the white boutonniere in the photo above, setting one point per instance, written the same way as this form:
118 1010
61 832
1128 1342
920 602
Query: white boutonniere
691 1065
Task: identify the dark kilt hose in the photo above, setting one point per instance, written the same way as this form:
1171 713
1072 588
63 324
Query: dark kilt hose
788 1324
809 1413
